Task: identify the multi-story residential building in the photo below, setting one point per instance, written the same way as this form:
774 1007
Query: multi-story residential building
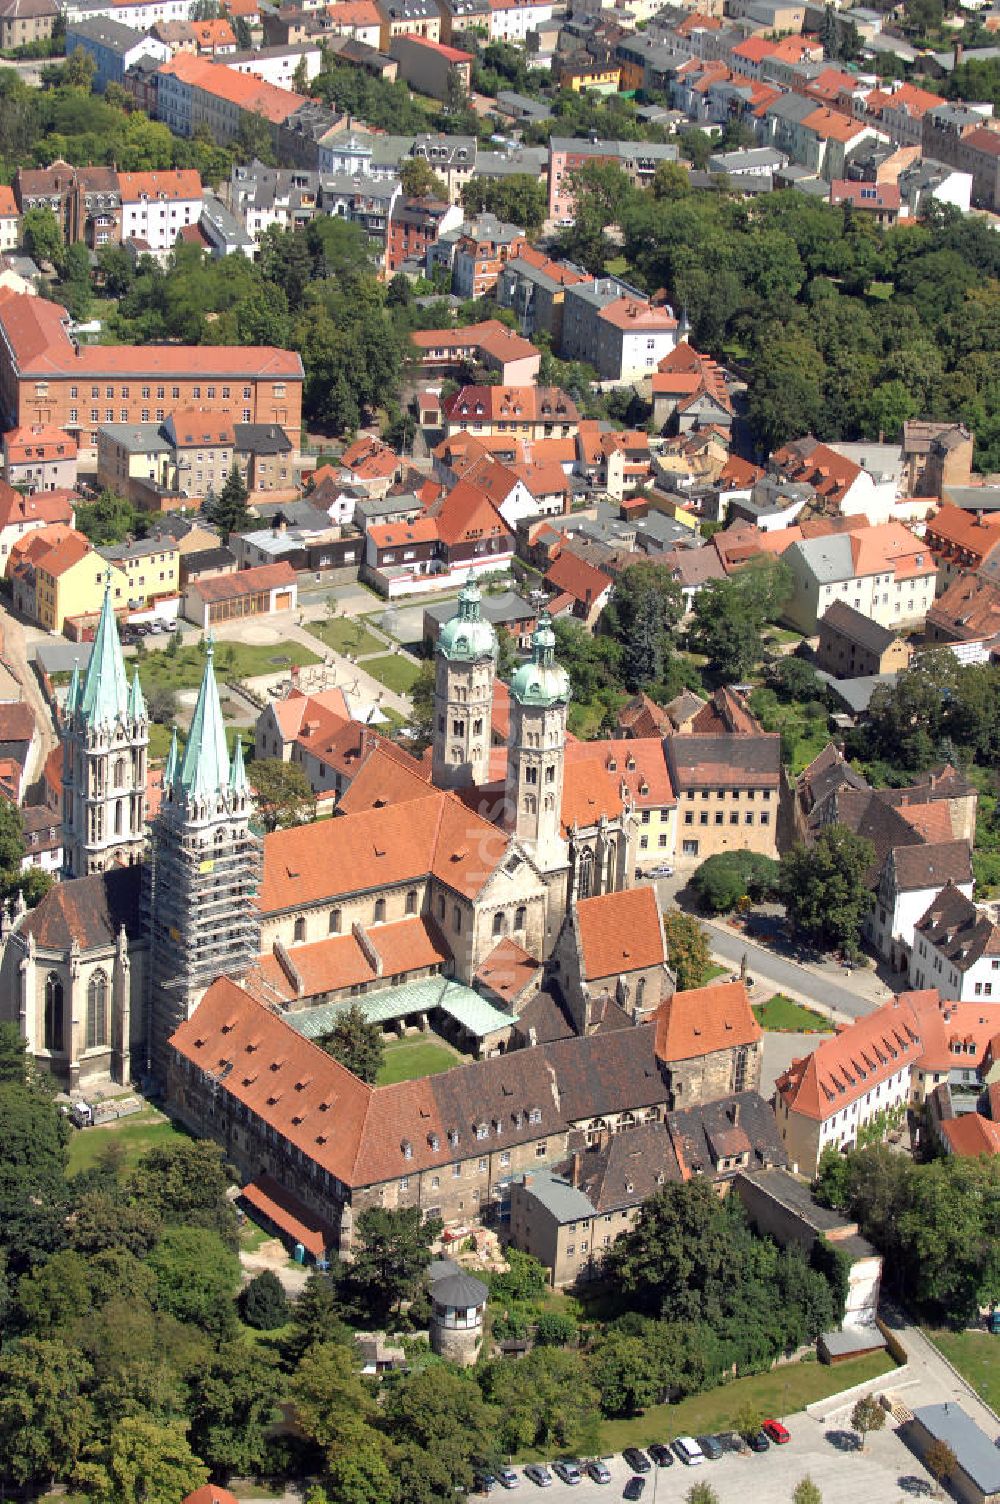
40 459
151 567
513 20
433 68
113 47
156 206
86 201
402 18
963 138
936 456
482 249
458 16
262 196
69 579
20 515
882 201
364 201
534 286
898 108
193 93
413 227
956 948
490 344
47 379
885 572
637 159
10 220
142 15
24 21
907 881
453 158
865 1078
278 65
528 412
160 466
615 328
729 790
960 542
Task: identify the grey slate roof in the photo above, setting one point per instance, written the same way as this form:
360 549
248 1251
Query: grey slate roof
563 1201
976 1455
843 619
104 32
830 559
138 438
459 1290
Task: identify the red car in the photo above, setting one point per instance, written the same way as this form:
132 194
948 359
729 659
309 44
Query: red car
777 1432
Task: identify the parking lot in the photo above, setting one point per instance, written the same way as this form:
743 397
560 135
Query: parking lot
884 1473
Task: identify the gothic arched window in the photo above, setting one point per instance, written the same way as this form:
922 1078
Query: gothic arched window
334 921
97 1010
379 910
119 772
300 929
53 1024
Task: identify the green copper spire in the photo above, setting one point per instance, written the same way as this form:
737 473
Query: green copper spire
73 693
205 764
170 771
238 773
136 703
104 699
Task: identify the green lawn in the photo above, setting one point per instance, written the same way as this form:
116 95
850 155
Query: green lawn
976 1355
394 671
143 1130
407 1059
714 971
346 634
780 1012
233 660
780 1392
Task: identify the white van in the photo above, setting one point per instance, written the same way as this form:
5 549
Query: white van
689 1451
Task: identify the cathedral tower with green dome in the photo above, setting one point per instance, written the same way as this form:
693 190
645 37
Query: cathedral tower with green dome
464 674
105 742
539 700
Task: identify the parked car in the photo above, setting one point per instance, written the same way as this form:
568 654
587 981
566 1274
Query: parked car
633 1488
688 1450
539 1474
758 1442
598 1471
569 1472
637 1461
776 1432
507 1477
662 869
661 1454
710 1447
731 1441
484 1483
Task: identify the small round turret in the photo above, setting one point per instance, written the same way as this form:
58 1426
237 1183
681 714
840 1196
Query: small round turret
541 681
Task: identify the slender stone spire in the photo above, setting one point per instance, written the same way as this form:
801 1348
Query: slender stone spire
237 773
105 695
136 702
73 693
204 769
170 771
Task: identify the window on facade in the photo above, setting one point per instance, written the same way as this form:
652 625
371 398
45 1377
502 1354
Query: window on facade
300 929
411 901
379 910
334 921
457 920
520 917
53 1021
97 1011
497 925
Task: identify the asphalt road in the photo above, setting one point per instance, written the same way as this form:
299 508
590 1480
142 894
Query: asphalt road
791 977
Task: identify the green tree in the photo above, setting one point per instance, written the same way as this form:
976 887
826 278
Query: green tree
824 887
230 513
108 1219
358 1471
283 792
13 1059
39 232
519 199
186 1182
357 1043
317 1315
233 1396
728 616
79 69
53 1294
674 1257
327 1393
625 1369
11 843
940 1461
197 1278
263 1302
439 1421
548 1399
33 1135
44 1414
419 180
524 1279
688 953
642 614
701 1493
109 519
146 1463
806 1491
866 1416
556 1329
422 701
748 1418
832 1184
255 139
723 880
392 1251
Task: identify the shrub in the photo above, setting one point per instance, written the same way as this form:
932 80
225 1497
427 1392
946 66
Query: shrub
263 1303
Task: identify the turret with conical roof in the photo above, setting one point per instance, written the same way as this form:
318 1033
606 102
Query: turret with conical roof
539 697
464 675
204 870
105 744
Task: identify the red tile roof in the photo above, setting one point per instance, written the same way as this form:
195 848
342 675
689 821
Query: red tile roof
41 508
704 1020
866 195
184 183
490 336
211 1494
229 587
568 574
466 514
832 125
241 89
970 1135
620 932
294 1219
507 970
341 961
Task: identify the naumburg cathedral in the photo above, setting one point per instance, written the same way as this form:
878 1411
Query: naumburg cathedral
440 865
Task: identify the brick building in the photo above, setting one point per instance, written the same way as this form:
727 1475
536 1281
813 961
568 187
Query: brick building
46 378
708 1044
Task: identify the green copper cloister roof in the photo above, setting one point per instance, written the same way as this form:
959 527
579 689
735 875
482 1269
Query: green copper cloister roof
204 769
104 698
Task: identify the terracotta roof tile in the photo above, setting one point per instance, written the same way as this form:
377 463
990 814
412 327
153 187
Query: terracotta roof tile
620 932
703 1020
229 587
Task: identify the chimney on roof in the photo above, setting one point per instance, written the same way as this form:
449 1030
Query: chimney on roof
734 1113
574 1169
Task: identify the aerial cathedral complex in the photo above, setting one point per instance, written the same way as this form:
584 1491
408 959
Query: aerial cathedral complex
500 837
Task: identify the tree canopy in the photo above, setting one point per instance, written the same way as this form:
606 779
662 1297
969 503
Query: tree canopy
824 887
